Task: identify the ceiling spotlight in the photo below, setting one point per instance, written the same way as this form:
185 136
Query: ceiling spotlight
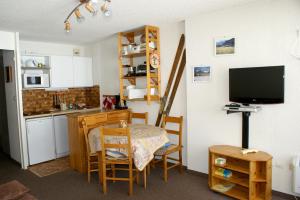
79 17
90 8
67 26
105 8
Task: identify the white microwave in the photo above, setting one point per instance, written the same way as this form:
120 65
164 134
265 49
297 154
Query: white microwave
36 80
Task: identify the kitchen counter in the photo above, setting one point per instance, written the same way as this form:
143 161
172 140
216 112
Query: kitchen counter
77 145
64 112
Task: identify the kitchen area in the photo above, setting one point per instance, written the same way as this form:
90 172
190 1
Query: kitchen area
53 87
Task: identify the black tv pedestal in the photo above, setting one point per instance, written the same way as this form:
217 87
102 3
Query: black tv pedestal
246 113
245 130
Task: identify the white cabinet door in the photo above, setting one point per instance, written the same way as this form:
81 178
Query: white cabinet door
40 138
61 135
62 71
83 72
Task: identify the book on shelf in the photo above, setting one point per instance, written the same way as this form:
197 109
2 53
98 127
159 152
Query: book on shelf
223 172
223 187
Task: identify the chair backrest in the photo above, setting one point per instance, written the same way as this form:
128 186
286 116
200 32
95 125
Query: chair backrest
143 116
173 120
110 140
87 124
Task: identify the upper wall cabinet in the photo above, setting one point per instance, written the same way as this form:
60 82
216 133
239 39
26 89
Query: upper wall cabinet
68 71
83 72
62 71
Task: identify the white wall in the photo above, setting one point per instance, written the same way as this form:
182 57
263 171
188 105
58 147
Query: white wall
7 40
46 48
105 65
265 31
106 72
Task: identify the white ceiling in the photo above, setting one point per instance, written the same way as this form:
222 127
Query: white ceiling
42 20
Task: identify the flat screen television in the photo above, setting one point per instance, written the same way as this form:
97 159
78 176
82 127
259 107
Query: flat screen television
257 85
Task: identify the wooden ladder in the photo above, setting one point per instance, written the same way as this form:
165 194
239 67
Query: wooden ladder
166 102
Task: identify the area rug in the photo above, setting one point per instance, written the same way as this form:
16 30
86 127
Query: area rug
51 167
15 190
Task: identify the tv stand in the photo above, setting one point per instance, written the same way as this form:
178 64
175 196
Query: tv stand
246 112
245 130
251 174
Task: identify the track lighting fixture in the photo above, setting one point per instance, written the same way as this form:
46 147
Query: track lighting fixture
90 5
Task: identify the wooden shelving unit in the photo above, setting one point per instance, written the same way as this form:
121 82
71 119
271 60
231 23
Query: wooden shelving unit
152 77
251 173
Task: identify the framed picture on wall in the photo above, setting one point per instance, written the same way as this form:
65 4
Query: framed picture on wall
201 73
225 46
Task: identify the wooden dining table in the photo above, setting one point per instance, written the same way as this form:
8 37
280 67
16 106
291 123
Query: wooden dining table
145 141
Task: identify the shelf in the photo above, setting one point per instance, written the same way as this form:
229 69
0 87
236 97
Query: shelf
251 174
152 98
234 168
137 99
34 60
236 192
133 77
152 75
234 179
133 55
137 32
260 180
35 68
152 40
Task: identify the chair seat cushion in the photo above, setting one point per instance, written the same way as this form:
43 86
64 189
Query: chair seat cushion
115 155
162 151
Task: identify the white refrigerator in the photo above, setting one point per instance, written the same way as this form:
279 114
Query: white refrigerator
40 138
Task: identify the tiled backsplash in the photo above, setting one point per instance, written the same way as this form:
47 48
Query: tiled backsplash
40 100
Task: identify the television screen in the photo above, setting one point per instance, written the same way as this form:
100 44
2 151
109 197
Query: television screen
257 85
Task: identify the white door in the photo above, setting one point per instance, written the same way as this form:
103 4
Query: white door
83 72
61 136
40 139
62 73
12 107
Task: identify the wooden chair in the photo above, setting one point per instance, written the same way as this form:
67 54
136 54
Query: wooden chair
143 116
107 146
164 152
92 158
